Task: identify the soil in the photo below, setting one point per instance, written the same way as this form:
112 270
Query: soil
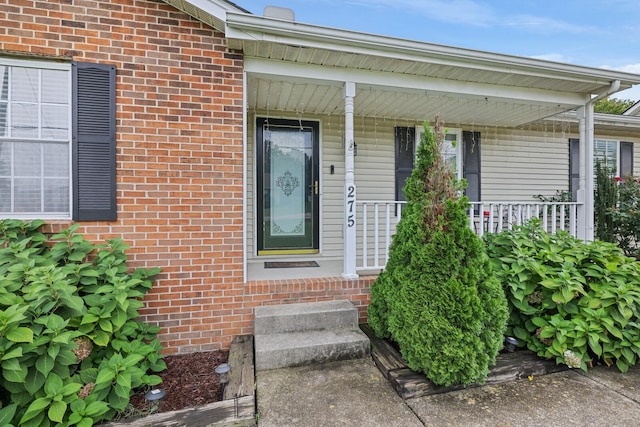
189 380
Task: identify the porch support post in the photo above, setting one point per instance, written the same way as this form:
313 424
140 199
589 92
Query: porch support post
586 187
349 228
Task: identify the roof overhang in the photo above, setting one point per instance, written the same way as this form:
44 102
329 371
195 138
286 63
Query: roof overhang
210 12
634 110
604 121
299 67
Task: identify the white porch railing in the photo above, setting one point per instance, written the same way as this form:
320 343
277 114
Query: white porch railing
494 217
377 223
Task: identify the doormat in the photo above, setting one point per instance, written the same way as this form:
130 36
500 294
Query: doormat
290 264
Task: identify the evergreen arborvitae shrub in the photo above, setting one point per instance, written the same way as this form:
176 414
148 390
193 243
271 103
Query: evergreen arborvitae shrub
437 297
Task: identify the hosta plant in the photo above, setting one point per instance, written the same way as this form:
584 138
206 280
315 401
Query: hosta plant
72 348
573 301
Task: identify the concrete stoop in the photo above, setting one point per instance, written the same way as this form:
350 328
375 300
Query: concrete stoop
301 334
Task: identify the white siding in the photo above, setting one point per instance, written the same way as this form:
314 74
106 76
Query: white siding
516 165
519 164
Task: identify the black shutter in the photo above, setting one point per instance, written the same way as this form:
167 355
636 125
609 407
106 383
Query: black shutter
471 164
626 159
405 152
94 142
574 167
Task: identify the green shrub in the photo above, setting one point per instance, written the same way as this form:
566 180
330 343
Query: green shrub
437 297
71 348
625 215
605 200
573 301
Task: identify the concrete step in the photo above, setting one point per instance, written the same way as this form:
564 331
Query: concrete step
274 351
275 319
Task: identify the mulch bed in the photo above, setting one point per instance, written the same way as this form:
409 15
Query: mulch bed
189 380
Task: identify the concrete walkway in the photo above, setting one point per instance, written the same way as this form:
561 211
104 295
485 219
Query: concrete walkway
355 393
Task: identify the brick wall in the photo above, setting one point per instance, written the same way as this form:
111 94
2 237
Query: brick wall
179 149
179 160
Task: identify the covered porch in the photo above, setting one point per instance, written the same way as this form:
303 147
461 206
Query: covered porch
345 110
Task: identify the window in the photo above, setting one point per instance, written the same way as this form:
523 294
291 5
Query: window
453 147
35 139
616 155
606 151
57 140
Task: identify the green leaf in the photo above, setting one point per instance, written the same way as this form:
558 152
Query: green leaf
7 413
100 338
521 334
558 298
119 400
595 346
70 388
96 409
44 364
539 322
52 385
628 355
594 303
34 381
124 379
35 408
57 411
13 371
105 377
613 331
89 318
622 365
85 422
11 354
19 334
106 325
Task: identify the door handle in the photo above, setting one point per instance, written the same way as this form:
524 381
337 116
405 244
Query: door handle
315 187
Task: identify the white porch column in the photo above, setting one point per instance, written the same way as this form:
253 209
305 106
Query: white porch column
349 228
586 187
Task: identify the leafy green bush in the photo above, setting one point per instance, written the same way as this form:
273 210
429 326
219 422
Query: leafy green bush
578 302
437 297
71 348
605 200
626 215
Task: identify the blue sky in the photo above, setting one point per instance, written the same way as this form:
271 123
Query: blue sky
596 33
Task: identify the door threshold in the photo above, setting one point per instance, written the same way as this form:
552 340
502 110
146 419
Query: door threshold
290 264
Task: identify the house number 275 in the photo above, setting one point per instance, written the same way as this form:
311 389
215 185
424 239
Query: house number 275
351 202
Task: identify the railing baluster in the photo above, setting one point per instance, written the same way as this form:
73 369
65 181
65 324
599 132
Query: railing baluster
553 218
387 237
376 234
365 240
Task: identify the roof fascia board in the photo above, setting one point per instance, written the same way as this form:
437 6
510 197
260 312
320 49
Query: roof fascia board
617 120
279 69
210 12
256 28
633 110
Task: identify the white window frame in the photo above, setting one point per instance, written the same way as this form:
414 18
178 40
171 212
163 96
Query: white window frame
42 65
617 151
457 133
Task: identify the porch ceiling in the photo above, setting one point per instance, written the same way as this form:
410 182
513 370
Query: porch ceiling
300 68
291 96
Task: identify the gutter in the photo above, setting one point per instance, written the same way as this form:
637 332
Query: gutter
587 187
242 27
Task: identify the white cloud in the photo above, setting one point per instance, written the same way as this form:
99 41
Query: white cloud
546 25
634 92
468 12
630 68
